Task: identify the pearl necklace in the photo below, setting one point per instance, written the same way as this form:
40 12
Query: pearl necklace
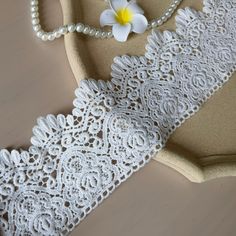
86 29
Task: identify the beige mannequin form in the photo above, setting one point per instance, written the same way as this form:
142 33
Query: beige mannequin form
204 147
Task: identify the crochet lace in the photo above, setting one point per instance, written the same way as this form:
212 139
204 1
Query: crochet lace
116 127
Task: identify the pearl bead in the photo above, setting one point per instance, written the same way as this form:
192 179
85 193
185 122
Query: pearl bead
159 21
163 18
86 29
170 10
63 30
57 34
44 37
92 32
153 24
103 34
98 34
51 37
71 28
109 34
34 14
35 21
34 9
37 27
167 14
34 3
39 34
79 27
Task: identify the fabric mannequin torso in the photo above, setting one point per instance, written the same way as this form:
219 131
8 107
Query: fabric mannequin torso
199 137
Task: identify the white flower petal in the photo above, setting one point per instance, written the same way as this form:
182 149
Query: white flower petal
139 24
118 4
107 17
121 32
132 6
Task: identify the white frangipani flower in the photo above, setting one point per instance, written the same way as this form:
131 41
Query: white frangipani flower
124 17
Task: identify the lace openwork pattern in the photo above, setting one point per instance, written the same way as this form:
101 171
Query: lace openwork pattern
77 160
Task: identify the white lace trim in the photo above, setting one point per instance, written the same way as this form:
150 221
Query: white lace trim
76 161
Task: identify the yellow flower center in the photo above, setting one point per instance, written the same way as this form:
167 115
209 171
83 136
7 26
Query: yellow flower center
124 16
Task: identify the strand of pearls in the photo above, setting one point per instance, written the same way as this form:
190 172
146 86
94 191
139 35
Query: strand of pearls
86 29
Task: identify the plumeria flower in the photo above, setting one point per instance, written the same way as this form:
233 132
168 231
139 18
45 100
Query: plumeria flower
124 17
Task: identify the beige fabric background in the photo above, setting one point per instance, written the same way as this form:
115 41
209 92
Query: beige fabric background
36 80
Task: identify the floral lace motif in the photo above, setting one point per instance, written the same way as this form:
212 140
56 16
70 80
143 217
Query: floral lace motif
76 161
